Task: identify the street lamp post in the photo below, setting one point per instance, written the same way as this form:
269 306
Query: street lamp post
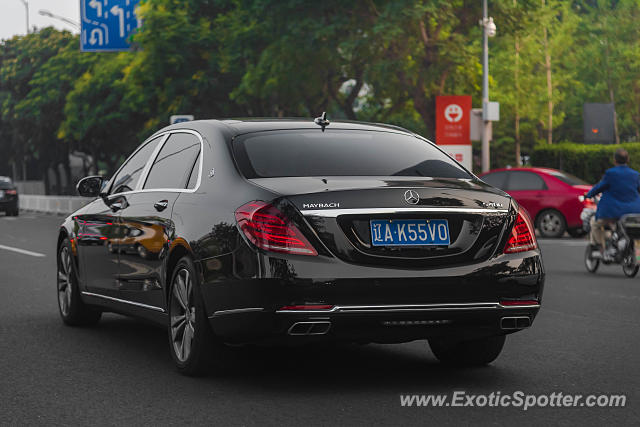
67 21
26 7
24 159
488 30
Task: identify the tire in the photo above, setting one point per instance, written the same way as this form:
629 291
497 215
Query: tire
630 266
576 232
73 311
590 263
551 223
191 340
476 352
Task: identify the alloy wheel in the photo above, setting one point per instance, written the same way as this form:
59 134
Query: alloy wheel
182 314
551 223
65 287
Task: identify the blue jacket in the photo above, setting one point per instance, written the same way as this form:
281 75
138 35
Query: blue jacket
619 188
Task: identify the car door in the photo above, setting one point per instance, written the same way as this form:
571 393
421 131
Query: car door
528 188
147 219
100 234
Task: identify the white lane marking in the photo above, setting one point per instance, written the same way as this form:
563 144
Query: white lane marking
21 251
561 242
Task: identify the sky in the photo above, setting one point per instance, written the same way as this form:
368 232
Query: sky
13 19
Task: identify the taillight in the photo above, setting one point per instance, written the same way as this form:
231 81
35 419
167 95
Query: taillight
589 204
268 228
522 237
14 192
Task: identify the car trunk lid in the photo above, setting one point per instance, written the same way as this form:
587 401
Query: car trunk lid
339 210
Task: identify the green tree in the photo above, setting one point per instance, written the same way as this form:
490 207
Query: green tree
22 57
42 109
607 59
98 115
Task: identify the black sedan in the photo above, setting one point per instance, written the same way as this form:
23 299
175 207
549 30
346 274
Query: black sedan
8 197
294 231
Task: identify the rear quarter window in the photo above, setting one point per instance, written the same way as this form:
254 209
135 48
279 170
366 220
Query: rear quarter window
496 179
522 180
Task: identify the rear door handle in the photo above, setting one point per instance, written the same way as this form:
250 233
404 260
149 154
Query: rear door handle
161 205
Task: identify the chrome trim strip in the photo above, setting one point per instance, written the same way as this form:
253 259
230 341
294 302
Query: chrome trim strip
235 311
147 168
409 307
332 213
137 304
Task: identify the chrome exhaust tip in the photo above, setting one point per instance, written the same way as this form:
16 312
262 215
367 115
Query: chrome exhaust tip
309 328
510 323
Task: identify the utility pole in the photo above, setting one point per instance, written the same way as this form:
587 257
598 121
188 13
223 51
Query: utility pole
547 66
516 79
488 30
24 160
26 7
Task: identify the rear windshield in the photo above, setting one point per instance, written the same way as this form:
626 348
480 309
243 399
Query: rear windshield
303 153
568 178
5 183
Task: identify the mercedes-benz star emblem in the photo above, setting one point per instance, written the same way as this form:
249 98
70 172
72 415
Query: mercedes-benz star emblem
411 197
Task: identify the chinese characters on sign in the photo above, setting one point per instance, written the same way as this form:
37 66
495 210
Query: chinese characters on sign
107 24
452 127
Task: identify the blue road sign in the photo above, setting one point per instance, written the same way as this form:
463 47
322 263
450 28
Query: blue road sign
107 24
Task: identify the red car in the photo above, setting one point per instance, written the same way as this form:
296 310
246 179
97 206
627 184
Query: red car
553 198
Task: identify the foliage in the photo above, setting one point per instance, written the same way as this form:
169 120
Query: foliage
22 123
585 161
96 114
372 60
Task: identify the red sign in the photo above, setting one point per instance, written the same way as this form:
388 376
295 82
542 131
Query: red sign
452 120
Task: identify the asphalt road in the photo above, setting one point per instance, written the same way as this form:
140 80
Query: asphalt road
586 340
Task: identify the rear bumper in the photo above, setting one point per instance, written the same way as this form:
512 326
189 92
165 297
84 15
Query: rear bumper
381 324
8 204
367 304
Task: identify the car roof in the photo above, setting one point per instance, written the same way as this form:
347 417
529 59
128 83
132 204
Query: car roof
241 126
542 170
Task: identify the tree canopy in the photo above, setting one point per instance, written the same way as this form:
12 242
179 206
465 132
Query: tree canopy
372 60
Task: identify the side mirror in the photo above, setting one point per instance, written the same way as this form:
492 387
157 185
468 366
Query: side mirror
90 186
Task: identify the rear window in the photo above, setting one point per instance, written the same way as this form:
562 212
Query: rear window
341 153
5 183
567 178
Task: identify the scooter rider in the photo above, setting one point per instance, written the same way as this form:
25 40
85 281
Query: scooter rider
620 189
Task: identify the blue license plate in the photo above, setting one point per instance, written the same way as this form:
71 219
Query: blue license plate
410 232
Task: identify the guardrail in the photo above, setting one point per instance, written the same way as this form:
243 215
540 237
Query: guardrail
53 204
30 187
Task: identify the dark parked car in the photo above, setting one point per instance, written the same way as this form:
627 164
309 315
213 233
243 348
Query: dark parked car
553 198
294 231
8 197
